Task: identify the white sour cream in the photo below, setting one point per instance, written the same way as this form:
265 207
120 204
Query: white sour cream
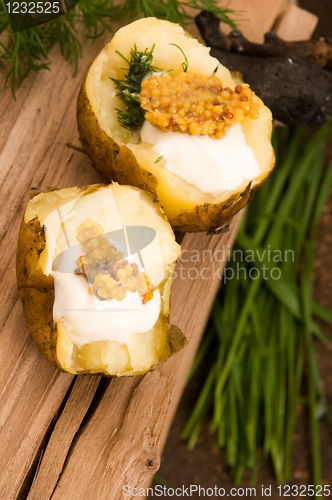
213 166
100 320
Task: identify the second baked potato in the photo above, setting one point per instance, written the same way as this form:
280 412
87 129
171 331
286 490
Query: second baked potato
94 271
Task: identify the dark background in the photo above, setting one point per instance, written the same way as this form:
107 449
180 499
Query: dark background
205 465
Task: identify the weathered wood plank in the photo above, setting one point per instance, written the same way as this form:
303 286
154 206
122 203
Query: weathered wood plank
296 24
23 426
63 435
33 136
255 17
132 427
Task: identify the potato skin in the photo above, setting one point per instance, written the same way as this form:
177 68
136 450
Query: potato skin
36 289
212 217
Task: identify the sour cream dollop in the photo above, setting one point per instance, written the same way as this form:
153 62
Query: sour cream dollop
88 319
212 165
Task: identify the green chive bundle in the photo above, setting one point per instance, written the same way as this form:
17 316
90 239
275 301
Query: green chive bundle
262 328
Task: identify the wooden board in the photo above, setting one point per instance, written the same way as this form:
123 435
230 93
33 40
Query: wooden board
254 17
290 21
65 437
292 17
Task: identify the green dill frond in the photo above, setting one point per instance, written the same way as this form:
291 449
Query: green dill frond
133 117
128 90
175 11
140 65
185 64
26 51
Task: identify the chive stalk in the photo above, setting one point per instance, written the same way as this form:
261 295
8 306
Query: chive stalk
264 329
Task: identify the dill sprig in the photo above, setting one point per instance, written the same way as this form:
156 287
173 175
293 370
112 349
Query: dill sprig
26 51
185 63
140 65
175 11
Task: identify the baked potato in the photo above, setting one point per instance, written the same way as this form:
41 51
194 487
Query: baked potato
94 271
201 179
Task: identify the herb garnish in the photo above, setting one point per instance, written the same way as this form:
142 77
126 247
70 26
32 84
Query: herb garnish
185 64
129 89
26 51
159 159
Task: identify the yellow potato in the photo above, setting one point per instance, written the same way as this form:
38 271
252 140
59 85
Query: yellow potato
71 322
118 154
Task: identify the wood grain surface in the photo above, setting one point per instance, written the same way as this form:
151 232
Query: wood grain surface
292 17
65 437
